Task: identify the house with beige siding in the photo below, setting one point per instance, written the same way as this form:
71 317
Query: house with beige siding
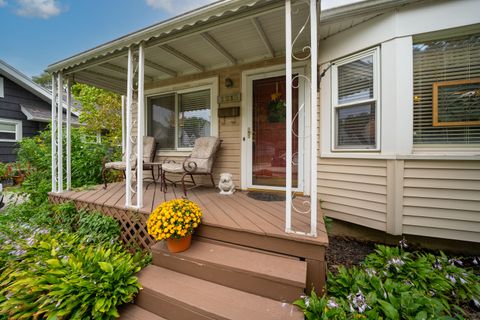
367 113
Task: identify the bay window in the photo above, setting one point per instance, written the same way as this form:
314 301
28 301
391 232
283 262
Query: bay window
355 92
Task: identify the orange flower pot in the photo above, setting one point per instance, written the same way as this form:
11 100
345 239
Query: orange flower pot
179 245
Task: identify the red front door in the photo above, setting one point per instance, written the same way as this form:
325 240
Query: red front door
269 133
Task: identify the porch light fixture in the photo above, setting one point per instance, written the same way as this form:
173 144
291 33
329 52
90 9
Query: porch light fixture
228 82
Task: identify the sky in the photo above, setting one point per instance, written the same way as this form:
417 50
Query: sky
37 33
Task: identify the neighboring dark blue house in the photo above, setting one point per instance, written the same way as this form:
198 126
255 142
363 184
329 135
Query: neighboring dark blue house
25 109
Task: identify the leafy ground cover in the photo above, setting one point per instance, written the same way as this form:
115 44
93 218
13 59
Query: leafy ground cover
392 283
58 263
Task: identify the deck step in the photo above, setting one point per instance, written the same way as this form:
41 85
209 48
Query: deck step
269 275
177 296
134 312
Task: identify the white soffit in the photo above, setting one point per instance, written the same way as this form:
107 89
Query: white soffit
185 22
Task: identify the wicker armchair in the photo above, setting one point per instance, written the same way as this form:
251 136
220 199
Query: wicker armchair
199 162
149 148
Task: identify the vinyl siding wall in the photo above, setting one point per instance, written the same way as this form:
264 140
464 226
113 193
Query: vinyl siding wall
434 198
442 199
354 190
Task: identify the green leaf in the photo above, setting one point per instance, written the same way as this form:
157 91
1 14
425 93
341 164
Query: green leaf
54 263
422 315
105 266
389 311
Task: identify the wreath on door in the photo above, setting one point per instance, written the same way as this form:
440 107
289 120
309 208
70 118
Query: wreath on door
276 108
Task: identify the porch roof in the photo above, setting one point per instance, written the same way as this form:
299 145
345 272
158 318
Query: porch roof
225 33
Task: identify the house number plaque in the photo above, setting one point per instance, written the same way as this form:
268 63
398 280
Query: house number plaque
226 98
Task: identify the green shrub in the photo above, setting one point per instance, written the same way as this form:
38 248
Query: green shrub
59 276
96 227
394 284
87 158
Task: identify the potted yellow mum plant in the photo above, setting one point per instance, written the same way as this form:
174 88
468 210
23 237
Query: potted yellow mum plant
175 221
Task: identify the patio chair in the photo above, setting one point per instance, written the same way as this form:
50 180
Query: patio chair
149 148
199 162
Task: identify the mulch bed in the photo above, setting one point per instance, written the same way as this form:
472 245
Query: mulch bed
346 252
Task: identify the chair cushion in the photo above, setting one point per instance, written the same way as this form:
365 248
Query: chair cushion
116 165
172 167
148 148
205 147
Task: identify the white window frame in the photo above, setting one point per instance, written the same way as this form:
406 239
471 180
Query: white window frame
2 90
375 53
18 129
210 84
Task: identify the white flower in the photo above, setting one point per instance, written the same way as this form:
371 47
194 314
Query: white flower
476 303
358 301
403 243
371 272
455 262
332 304
395 262
451 278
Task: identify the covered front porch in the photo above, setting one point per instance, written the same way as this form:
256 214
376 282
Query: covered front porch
215 57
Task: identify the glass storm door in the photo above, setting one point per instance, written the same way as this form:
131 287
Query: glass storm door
267 132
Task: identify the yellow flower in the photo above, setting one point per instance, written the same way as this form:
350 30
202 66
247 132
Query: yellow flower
177 217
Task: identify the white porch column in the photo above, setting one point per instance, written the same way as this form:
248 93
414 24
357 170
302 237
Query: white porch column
69 134
128 140
288 120
60 132
140 124
124 128
313 116
54 134
312 80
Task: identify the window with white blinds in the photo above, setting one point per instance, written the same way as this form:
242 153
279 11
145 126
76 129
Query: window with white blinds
355 87
446 108
193 117
177 119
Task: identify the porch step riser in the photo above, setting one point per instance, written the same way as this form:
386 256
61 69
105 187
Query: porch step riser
167 308
229 277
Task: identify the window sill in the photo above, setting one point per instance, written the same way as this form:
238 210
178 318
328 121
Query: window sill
414 156
173 153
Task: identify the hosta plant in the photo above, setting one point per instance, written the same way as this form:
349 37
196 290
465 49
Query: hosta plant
58 276
394 284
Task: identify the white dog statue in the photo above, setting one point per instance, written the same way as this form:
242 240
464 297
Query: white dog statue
226 184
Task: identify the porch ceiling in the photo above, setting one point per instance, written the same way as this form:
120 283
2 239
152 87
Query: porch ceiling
202 41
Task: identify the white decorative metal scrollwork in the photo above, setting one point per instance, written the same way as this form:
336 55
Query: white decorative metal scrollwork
306 53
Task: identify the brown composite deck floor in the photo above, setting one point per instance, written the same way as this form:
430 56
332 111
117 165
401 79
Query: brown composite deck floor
236 212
